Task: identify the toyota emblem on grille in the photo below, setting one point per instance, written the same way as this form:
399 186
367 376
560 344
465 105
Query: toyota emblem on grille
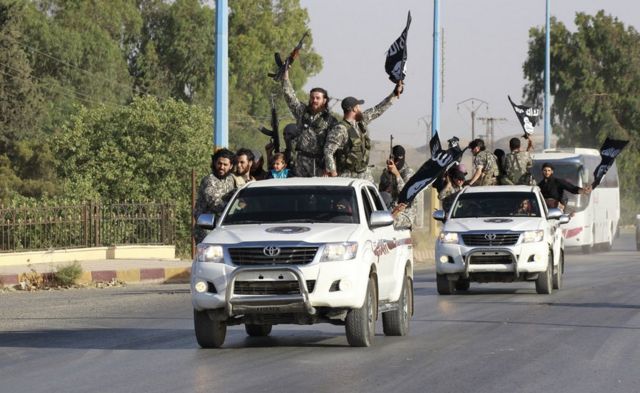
273 251
490 236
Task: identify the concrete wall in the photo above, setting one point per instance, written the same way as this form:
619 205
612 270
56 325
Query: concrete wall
88 254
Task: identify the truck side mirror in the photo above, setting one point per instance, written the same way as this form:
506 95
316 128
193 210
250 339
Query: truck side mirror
206 221
380 218
439 215
554 213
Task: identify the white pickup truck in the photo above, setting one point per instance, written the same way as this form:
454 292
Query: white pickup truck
499 234
302 251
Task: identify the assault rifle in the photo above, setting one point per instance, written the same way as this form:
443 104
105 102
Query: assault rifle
273 133
283 66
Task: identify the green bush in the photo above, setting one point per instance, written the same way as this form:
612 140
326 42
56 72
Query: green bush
68 274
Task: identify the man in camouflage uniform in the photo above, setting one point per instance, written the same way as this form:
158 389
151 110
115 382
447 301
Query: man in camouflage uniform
346 152
484 164
314 120
215 189
454 183
518 163
392 181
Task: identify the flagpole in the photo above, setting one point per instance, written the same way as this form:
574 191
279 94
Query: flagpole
547 77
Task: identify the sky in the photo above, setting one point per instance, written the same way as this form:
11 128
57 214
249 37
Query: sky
485 46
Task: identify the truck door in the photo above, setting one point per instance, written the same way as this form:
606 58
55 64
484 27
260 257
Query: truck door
384 246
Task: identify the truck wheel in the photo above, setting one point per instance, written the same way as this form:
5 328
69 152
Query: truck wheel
396 322
444 285
544 282
209 333
257 330
557 275
463 284
360 324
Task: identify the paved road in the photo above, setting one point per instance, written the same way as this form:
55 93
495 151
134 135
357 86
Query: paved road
497 338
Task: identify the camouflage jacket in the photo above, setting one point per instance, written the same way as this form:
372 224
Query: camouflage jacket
308 145
213 195
339 143
489 164
515 165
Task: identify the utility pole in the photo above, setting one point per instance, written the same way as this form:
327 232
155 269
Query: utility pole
490 123
221 112
473 105
547 76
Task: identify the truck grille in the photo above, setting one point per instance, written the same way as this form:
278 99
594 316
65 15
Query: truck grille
490 260
286 255
490 239
270 287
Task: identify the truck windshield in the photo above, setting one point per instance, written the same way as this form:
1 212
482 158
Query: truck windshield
496 204
293 204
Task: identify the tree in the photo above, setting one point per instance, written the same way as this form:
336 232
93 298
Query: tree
595 83
144 151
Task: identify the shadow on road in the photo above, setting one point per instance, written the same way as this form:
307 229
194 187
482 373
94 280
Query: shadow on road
156 339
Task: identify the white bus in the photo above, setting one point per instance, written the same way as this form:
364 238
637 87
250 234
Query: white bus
595 222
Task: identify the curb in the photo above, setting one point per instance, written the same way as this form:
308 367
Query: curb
168 275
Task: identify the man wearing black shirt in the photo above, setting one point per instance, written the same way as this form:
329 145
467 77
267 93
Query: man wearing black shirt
552 187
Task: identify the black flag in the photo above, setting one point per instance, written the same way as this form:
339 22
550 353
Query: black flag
439 162
527 115
395 65
609 150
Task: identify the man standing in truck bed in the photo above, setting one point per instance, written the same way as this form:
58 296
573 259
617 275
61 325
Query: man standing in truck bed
314 120
346 152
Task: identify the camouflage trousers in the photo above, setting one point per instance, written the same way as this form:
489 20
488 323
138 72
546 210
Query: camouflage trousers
366 174
306 166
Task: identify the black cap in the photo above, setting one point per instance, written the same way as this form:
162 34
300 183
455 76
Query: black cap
350 102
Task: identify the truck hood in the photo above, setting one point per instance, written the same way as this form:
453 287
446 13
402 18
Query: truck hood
310 233
494 224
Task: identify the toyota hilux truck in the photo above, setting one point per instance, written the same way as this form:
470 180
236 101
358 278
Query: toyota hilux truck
302 251
499 234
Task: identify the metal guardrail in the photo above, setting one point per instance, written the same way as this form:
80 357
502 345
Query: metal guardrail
45 227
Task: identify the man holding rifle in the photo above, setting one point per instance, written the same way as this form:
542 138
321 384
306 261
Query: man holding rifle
313 120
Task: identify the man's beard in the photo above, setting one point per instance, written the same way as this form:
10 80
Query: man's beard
221 174
359 116
316 110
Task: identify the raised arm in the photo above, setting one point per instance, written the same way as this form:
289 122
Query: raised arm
297 108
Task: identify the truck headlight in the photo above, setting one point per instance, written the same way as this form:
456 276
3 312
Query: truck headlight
209 253
449 237
339 251
532 236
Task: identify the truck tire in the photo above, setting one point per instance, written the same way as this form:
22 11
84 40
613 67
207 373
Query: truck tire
396 322
544 282
444 285
558 271
463 284
257 330
209 333
360 324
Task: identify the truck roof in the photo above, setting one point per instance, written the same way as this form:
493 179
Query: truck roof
493 189
309 181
